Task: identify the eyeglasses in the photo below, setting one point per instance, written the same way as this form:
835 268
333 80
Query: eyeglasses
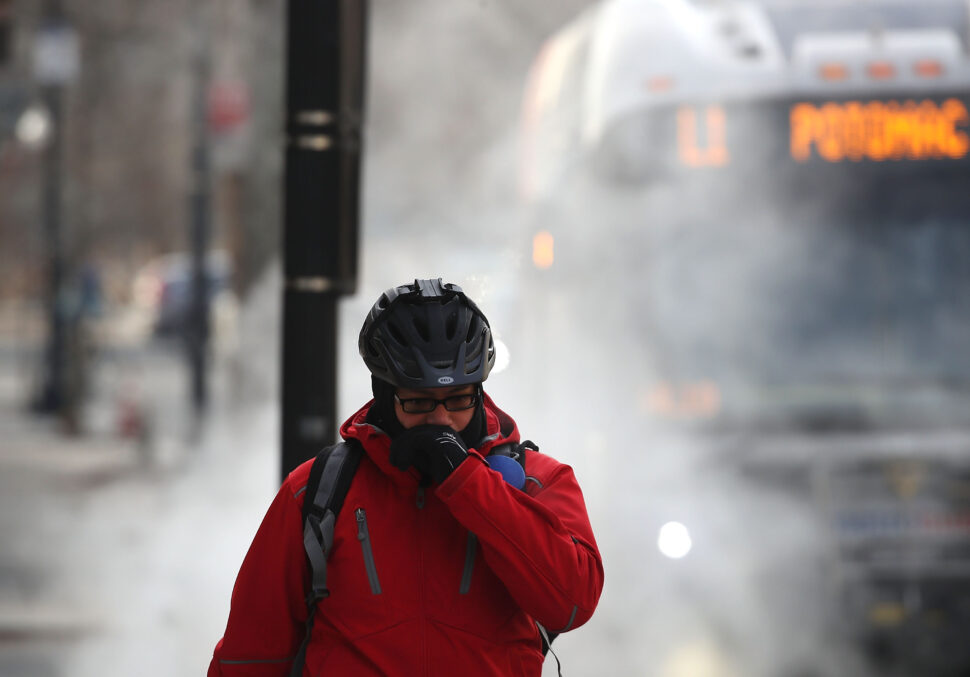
425 405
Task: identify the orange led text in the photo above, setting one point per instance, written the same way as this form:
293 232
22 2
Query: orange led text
880 130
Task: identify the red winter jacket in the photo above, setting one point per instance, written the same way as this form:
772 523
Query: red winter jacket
443 581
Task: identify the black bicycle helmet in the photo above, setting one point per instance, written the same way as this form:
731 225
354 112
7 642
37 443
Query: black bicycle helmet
427 335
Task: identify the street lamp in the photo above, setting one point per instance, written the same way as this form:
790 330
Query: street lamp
33 129
55 64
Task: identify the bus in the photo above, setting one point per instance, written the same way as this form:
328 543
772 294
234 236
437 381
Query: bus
757 215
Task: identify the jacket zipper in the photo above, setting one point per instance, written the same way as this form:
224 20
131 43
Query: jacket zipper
363 535
419 537
466 577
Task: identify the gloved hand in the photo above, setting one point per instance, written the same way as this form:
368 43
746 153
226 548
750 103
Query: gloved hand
435 450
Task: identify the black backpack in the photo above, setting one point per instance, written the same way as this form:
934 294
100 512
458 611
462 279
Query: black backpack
330 476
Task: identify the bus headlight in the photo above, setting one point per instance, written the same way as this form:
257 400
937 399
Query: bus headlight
674 540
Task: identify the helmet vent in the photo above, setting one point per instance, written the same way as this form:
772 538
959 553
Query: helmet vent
396 334
451 325
421 326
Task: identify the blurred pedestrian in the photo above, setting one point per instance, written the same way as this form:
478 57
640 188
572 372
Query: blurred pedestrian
90 292
446 559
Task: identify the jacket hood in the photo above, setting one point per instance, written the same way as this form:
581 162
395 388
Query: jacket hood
500 429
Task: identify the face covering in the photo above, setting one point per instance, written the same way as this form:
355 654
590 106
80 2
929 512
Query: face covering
382 415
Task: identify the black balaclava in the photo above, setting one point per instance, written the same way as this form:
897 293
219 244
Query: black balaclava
382 414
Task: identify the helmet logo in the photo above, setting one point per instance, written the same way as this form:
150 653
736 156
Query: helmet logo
445 380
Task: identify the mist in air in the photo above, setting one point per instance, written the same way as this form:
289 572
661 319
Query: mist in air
745 594
725 362
731 365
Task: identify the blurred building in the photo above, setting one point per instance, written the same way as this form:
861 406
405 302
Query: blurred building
128 136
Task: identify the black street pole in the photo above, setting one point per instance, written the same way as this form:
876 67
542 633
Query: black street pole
197 337
54 397
326 44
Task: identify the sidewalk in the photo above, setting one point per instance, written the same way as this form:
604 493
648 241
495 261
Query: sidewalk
115 561
43 479
32 445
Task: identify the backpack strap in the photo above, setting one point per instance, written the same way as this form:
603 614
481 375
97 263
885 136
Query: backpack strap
514 451
547 638
330 477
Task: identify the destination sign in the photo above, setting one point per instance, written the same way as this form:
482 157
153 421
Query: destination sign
880 131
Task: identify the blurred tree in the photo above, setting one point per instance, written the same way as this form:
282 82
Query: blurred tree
128 127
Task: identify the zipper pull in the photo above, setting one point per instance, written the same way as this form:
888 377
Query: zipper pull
361 524
420 499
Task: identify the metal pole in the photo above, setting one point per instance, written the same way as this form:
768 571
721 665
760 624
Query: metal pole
197 338
53 397
324 105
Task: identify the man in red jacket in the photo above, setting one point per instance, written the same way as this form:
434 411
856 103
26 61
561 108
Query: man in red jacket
439 565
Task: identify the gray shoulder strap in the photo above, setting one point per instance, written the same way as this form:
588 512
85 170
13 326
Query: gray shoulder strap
321 517
320 508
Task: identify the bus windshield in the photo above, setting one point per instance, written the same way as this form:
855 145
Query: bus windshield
815 291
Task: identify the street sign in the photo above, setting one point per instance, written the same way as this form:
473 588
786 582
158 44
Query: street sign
228 106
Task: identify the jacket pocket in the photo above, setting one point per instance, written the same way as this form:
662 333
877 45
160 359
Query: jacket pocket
363 535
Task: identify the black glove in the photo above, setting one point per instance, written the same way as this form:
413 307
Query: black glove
435 450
